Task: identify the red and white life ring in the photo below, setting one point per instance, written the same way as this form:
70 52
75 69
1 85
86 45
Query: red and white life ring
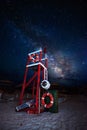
51 100
34 57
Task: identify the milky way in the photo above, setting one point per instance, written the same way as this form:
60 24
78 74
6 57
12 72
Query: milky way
27 26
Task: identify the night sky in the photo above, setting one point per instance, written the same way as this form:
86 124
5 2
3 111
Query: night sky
27 25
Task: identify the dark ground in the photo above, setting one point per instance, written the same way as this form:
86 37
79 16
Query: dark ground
72 115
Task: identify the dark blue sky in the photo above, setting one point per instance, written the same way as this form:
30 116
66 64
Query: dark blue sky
26 25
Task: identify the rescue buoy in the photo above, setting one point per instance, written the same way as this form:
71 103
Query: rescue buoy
51 100
45 84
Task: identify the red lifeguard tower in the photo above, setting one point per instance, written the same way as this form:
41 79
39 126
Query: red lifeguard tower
38 62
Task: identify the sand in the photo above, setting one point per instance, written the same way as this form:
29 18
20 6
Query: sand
72 115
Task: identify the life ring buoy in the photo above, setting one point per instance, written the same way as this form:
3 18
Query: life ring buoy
51 100
45 84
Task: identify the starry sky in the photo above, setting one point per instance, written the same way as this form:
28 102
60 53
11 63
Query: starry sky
27 25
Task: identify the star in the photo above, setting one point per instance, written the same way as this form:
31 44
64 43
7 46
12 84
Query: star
83 63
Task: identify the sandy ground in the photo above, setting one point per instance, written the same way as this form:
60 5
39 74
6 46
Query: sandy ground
72 115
